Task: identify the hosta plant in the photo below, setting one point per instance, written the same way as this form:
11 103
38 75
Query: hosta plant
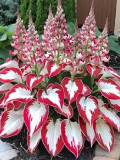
60 87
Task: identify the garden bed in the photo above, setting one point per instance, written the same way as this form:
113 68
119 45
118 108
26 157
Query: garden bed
20 144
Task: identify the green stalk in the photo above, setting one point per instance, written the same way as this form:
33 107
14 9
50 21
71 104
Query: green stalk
72 77
95 91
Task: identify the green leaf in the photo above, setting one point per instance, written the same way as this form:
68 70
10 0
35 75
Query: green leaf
97 32
1 60
70 28
3 37
10 28
113 46
4 53
2 29
114 38
40 37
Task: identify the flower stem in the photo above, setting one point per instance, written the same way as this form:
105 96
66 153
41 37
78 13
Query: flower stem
95 91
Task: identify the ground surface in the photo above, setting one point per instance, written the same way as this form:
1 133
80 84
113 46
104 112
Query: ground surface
19 142
114 61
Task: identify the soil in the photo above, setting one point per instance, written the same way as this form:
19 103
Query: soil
19 143
114 60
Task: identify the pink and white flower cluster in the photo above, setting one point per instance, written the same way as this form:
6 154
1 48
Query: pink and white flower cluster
60 87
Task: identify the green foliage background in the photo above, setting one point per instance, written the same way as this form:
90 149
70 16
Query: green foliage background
40 8
6 33
8 10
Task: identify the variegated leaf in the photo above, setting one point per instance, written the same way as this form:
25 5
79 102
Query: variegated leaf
2 105
32 80
18 93
72 88
113 72
93 70
5 87
72 136
66 110
11 123
33 140
115 103
109 88
51 136
35 115
86 90
10 64
110 117
104 134
9 106
17 104
87 130
53 68
10 74
53 96
88 108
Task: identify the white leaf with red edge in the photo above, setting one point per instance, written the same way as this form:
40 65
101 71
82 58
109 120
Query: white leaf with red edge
53 68
104 134
66 110
109 88
32 80
72 89
87 130
2 105
110 117
53 96
10 64
35 115
51 136
11 123
115 104
88 108
93 70
86 90
33 140
5 87
18 93
72 136
10 74
113 72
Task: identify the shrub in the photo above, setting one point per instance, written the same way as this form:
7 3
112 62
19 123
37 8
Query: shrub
62 91
23 9
42 13
31 7
8 10
39 10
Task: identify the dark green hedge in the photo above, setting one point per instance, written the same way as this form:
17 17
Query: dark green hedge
39 10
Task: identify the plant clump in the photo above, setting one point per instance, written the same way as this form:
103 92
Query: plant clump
60 87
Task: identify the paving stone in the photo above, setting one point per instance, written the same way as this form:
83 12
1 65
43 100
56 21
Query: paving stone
115 153
102 158
117 134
